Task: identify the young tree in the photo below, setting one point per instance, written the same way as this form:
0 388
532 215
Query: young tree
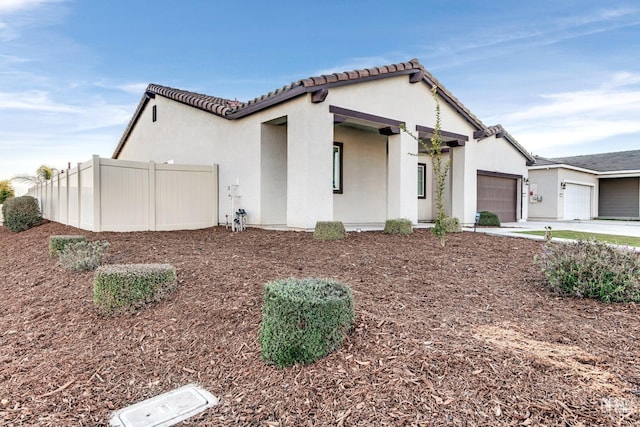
6 190
440 169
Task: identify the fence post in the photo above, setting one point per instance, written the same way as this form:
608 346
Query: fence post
96 192
79 196
214 194
152 196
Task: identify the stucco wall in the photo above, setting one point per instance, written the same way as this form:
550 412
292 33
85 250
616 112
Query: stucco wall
494 155
548 185
364 196
252 155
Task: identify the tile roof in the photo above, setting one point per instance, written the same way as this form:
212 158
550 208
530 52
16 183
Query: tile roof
235 109
602 162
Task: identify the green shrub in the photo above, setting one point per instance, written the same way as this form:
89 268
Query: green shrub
398 226
304 319
21 213
119 288
451 225
489 219
591 269
58 243
83 255
329 230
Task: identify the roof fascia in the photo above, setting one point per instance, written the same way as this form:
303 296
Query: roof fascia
564 166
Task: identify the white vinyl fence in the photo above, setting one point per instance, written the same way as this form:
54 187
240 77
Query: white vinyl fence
121 195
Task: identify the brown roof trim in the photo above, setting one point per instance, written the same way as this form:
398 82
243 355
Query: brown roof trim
427 130
345 112
318 87
136 115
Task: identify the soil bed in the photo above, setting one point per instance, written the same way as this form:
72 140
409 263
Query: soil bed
461 335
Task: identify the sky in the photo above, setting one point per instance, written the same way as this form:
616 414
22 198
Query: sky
562 77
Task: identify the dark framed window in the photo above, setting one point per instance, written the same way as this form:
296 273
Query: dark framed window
422 180
338 148
154 113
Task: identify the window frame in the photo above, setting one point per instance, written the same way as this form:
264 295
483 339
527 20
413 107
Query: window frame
422 166
340 171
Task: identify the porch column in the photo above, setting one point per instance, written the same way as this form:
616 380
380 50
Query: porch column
309 165
460 179
402 177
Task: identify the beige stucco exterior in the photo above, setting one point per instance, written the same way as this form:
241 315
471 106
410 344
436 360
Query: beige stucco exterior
277 164
546 197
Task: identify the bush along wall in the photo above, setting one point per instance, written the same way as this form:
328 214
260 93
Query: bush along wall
489 219
304 319
21 213
120 288
329 230
398 226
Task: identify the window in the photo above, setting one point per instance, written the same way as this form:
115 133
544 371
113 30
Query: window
422 180
154 113
337 167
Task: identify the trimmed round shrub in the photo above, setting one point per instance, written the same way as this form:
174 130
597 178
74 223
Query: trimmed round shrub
401 226
120 288
58 243
304 319
489 219
83 255
329 230
591 269
21 213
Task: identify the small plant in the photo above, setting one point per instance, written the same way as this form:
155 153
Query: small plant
120 288
451 225
82 255
58 243
304 319
21 213
329 230
547 233
398 226
592 269
489 219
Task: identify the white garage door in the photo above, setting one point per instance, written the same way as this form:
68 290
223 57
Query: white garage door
577 201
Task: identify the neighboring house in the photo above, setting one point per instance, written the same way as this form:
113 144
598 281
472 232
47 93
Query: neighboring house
330 148
605 185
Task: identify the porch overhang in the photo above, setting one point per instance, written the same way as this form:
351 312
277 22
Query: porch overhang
384 125
451 139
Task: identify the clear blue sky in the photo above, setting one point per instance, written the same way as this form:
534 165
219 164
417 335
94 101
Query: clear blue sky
563 77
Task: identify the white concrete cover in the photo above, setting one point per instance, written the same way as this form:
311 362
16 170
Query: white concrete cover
166 409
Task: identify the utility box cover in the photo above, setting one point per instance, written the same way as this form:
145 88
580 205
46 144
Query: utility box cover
166 409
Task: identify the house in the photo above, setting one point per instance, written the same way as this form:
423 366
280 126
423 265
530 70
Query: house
605 185
330 148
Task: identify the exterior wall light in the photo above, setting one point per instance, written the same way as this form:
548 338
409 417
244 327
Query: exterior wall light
563 185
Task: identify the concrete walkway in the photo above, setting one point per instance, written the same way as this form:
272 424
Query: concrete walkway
619 228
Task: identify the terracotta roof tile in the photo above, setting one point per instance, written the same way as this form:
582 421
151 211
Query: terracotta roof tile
234 109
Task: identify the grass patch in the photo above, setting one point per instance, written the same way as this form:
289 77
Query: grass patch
575 235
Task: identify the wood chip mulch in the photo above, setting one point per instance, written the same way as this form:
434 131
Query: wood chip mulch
457 336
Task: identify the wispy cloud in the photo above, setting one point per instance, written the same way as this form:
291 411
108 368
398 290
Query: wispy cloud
582 116
455 52
34 100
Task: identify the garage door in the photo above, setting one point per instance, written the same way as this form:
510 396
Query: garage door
498 194
619 197
577 201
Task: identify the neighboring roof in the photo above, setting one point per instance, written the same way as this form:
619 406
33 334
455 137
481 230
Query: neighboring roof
317 86
602 162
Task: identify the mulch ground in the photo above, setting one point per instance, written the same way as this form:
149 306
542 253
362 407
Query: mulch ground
462 335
